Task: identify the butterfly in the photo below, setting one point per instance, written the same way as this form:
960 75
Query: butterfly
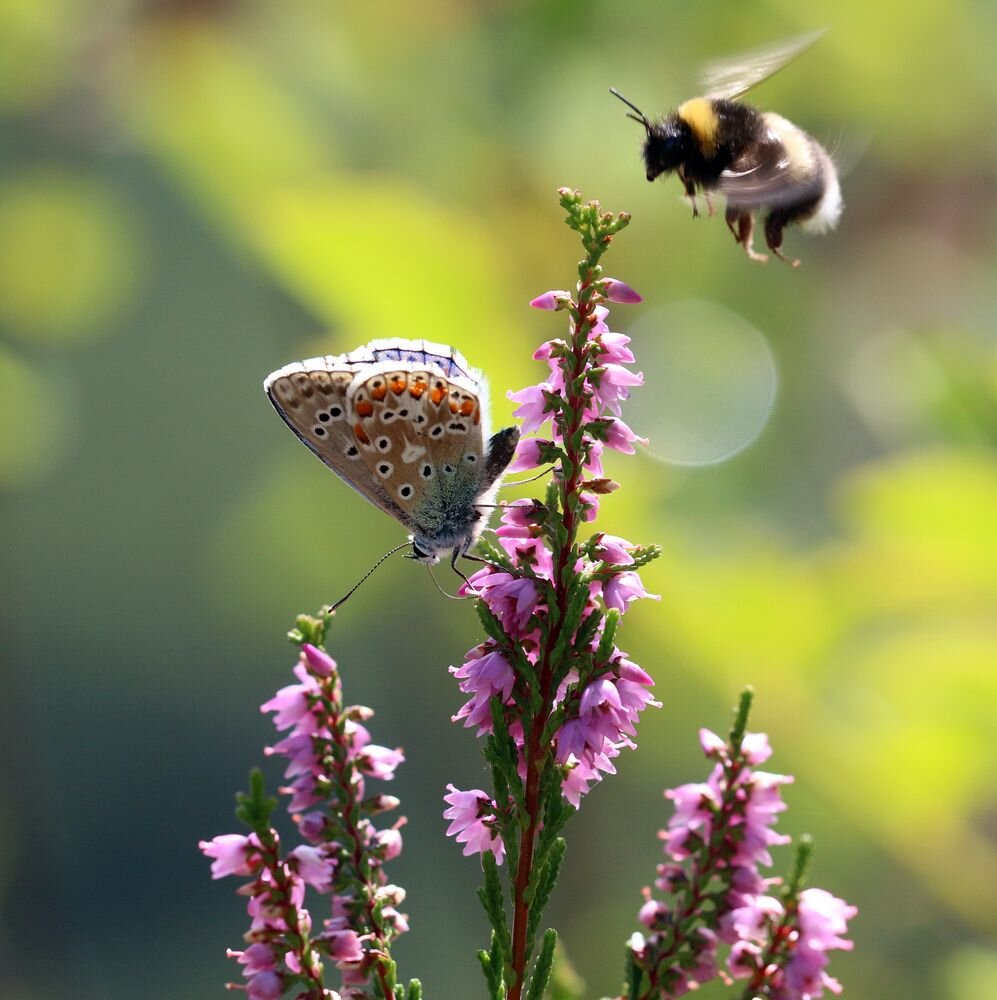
404 422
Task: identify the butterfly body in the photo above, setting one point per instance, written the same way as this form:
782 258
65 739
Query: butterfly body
404 422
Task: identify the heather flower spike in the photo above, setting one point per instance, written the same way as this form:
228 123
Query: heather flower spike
555 700
550 691
340 858
715 845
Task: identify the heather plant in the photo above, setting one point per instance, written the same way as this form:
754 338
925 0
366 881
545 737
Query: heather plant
554 700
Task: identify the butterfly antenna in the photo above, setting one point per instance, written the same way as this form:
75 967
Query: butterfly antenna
356 586
640 116
449 597
523 482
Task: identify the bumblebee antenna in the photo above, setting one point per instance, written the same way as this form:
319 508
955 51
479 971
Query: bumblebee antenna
639 117
356 586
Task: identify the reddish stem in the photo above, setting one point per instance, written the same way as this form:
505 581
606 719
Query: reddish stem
536 750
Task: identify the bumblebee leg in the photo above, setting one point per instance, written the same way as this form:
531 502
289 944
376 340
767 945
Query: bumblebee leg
730 217
774 225
690 193
745 235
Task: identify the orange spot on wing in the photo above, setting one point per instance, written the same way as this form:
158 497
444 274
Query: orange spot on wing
416 389
365 408
398 384
437 393
360 434
467 408
477 415
378 392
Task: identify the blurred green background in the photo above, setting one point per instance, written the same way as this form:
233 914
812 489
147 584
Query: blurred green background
195 192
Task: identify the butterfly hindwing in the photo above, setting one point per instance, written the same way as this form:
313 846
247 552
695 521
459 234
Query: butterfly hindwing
426 435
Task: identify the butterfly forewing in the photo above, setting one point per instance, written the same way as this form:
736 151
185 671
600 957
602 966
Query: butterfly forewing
313 398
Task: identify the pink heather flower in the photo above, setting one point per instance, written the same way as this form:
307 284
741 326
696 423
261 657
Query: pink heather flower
821 919
711 743
510 598
234 854
614 386
618 291
743 959
532 409
318 660
521 519
553 299
389 842
583 773
265 986
258 957
527 454
752 921
314 866
652 914
344 947
755 747
623 588
379 762
613 549
614 346
620 437
293 704
485 673
469 814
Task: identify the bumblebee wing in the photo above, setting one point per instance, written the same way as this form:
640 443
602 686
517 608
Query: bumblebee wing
732 77
765 175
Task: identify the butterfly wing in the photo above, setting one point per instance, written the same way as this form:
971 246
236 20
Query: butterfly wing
425 434
731 78
312 397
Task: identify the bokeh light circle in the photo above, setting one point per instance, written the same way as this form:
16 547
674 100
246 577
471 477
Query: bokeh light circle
710 382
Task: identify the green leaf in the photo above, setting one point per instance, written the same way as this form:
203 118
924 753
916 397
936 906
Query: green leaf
633 976
542 968
543 886
254 808
740 725
493 902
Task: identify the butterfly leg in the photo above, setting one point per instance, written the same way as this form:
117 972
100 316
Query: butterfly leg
711 211
453 565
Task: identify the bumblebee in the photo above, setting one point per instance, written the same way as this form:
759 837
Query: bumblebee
757 160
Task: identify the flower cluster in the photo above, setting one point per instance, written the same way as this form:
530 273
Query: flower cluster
550 691
551 605
329 758
715 844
